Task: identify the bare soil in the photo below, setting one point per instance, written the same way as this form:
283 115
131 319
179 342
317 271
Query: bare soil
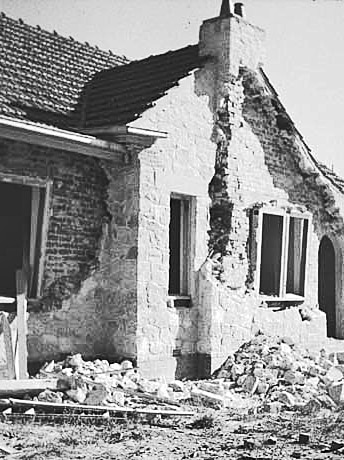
211 434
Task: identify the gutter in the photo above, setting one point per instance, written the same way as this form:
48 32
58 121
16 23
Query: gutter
125 129
48 136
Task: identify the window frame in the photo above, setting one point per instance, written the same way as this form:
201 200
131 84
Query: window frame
47 185
286 214
185 243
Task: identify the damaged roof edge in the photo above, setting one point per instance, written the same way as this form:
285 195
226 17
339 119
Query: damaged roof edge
48 136
302 143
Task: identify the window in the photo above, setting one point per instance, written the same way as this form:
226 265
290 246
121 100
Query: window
179 243
22 218
283 254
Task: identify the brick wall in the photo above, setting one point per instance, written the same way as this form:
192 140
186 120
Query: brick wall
88 302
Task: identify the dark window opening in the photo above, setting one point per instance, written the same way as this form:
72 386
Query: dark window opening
21 217
270 265
179 246
298 230
283 255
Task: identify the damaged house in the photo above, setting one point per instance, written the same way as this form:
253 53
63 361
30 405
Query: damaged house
164 209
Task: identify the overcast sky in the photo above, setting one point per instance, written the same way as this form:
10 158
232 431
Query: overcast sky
305 47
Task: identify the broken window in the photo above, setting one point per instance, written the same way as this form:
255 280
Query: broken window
179 243
22 211
283 254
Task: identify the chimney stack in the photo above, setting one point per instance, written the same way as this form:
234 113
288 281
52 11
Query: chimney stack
233 43
226 9
239 9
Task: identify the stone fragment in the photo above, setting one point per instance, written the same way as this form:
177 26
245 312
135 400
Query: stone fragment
336 391
50 396
271 441
75 361
115 367
273 407
336 445
176 385
30 411
304 438
126 365
287 398
163 391
117 397
97 397
250 384
340 357
334 374
312 406
49 367
250 443
77 395
262 387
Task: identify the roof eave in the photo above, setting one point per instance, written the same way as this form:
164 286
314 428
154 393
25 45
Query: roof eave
47 136
126 134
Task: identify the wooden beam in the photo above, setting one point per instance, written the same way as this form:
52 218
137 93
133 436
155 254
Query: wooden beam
21 284
13 387
6 331
85 407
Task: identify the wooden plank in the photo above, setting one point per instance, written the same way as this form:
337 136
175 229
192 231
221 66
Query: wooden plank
7 336
21 283
13 387
84 407
44 215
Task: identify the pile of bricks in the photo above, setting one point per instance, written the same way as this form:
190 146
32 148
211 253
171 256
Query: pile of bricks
281 374
99 383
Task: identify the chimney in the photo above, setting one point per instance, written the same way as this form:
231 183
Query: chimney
239 9
232 41
226 9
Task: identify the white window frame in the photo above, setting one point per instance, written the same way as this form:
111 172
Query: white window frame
286 214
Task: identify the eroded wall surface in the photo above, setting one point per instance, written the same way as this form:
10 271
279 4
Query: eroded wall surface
90 260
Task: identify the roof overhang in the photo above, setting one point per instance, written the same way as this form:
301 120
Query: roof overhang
125 134
47 136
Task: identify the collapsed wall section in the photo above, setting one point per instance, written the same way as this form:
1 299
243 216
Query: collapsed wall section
90 243
259 163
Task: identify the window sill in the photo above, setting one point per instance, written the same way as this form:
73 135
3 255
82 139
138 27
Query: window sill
287 298
174 301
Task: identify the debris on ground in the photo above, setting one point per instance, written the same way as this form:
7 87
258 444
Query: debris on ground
267 373
276 373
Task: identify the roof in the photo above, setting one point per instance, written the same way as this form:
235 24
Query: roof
50 79
119 95
334 178
43 74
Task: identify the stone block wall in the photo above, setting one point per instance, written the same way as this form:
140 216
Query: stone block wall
183 163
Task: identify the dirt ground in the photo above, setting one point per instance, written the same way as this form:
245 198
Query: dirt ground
210 434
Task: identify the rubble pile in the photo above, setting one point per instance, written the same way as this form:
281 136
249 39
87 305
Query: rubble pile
280 374
266 373
99 383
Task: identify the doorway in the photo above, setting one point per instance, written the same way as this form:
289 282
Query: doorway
326 284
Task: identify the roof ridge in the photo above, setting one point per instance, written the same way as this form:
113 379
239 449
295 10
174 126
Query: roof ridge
38 29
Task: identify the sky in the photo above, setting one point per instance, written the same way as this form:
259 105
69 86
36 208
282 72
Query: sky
305 47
